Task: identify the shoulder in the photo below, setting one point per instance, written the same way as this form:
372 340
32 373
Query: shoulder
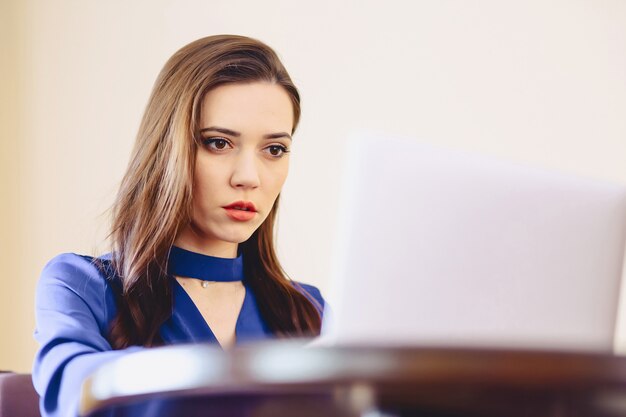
73 288
310 292
73 268
82 275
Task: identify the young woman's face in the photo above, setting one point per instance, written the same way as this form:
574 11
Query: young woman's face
241 166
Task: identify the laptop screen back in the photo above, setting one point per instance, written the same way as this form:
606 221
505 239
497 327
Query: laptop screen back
450 248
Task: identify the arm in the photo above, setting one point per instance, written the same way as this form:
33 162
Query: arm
71 318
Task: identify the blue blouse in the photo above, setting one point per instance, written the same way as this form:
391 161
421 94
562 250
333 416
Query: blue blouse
75 305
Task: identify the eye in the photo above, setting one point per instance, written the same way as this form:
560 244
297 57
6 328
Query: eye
216 144
276 151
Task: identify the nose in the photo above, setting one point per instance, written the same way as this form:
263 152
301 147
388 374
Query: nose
245 173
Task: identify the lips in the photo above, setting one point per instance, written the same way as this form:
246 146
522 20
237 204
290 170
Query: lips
241 211
241 205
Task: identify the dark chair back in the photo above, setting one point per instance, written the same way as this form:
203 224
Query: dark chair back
18 397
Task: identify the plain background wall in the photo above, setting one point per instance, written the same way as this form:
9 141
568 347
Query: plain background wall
537 81
9 148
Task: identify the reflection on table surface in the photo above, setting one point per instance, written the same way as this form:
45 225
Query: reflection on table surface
289 379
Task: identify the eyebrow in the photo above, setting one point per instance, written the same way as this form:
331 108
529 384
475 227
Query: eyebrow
238 134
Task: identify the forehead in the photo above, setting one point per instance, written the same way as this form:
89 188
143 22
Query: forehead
248 106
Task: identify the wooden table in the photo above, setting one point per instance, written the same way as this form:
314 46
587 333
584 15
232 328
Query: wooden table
287 379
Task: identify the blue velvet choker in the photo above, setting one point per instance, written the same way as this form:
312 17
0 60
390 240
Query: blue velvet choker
184 263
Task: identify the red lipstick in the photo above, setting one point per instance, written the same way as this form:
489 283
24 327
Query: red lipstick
241 211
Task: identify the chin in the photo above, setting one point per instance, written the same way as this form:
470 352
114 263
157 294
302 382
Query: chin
224 233
236 236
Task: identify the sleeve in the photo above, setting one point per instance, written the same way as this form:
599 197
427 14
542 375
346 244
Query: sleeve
70 313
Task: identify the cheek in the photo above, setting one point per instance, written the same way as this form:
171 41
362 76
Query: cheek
205 182
277 178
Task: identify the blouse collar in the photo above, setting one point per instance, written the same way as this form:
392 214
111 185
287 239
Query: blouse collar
184 263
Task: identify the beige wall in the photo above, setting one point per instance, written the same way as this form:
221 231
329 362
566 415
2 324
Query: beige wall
15 288
535 81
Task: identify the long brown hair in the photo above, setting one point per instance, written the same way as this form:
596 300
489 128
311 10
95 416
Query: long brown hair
154 200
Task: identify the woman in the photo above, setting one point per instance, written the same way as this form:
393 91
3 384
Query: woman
193 256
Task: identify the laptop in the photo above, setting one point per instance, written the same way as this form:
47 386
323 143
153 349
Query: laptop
450 248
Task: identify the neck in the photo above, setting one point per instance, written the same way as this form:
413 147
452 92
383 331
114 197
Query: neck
217 248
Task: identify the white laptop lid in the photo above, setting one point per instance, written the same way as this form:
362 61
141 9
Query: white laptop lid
451 248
